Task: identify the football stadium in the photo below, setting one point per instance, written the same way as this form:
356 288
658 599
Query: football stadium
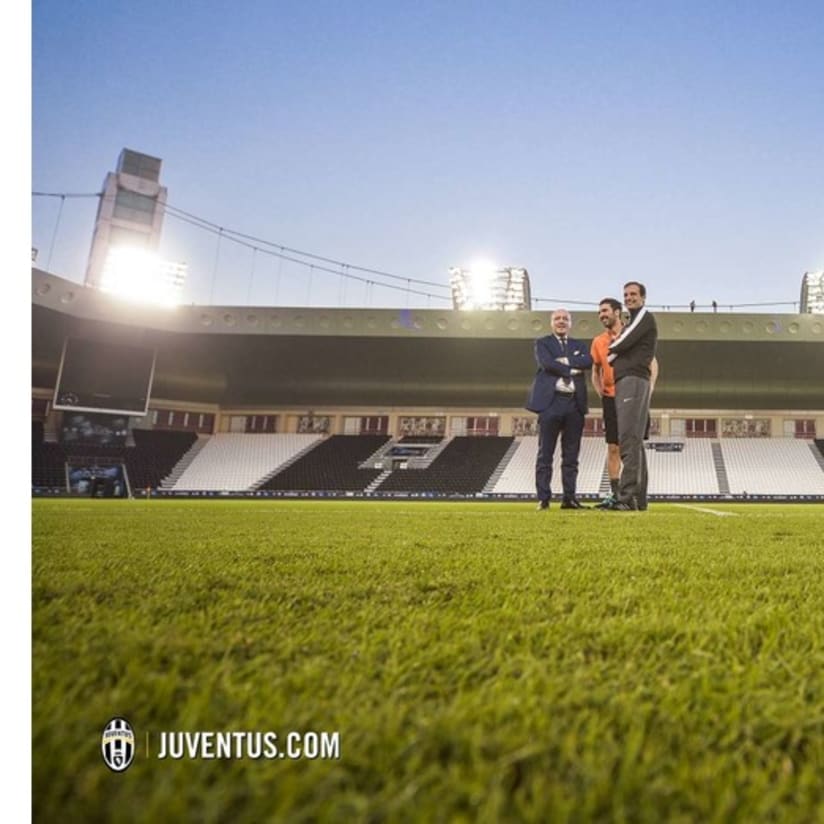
287 566
287 563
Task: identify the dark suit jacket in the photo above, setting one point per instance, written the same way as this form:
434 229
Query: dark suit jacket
547 351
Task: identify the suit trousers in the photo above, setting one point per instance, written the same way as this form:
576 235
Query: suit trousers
563 418
632 397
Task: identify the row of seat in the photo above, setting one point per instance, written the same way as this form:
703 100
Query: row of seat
518 477
766 466
239 462
463 468
751 465
154 454
332 466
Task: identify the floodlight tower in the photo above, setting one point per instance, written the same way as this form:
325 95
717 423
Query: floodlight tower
142 276
812 292
130 211
482 286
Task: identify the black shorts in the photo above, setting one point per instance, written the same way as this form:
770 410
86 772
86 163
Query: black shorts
610 419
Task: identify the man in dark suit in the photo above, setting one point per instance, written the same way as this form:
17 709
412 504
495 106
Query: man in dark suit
559 396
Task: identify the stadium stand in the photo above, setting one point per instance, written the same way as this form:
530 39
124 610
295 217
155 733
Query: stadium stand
771 466
184 462
147 462
689 471
236 461
48 461
502 465
755 466
332 466
154 455
463 468
495 466
518 477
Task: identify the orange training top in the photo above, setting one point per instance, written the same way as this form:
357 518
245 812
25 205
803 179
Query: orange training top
599 351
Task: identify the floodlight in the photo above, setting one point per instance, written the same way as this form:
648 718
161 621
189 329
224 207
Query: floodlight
482 268
483 286
141 276
812 292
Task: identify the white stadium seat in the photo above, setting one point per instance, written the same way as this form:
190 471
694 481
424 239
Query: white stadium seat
236 461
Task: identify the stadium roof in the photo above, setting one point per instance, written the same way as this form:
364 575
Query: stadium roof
321 357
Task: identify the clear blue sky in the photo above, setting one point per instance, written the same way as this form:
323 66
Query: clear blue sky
676 143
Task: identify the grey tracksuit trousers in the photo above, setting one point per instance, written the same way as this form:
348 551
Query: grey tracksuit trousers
632 397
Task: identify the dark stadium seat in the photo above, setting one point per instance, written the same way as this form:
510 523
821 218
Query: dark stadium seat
48 465
148 462
332 466
463 468
154 455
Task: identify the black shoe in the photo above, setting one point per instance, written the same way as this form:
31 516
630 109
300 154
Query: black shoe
573 503
542 505
620 506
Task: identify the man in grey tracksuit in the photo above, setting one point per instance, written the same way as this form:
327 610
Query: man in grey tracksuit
631 356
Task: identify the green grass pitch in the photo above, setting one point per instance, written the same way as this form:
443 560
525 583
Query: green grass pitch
480 662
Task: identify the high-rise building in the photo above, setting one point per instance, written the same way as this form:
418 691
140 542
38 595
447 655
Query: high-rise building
812 292
485 287
130 212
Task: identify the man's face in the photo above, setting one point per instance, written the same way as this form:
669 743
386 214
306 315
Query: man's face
632 296
609 316
561 323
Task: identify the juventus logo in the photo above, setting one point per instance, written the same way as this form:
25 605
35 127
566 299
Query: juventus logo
118 744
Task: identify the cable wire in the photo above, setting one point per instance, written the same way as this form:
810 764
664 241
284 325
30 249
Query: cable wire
344 269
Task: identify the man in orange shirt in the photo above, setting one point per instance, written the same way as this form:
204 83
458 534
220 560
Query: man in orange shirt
603 381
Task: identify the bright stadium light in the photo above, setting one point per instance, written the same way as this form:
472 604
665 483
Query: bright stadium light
812 292
483 286
483 269
142 276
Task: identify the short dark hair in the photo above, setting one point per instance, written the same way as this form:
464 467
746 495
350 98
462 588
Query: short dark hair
615 305
641 288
